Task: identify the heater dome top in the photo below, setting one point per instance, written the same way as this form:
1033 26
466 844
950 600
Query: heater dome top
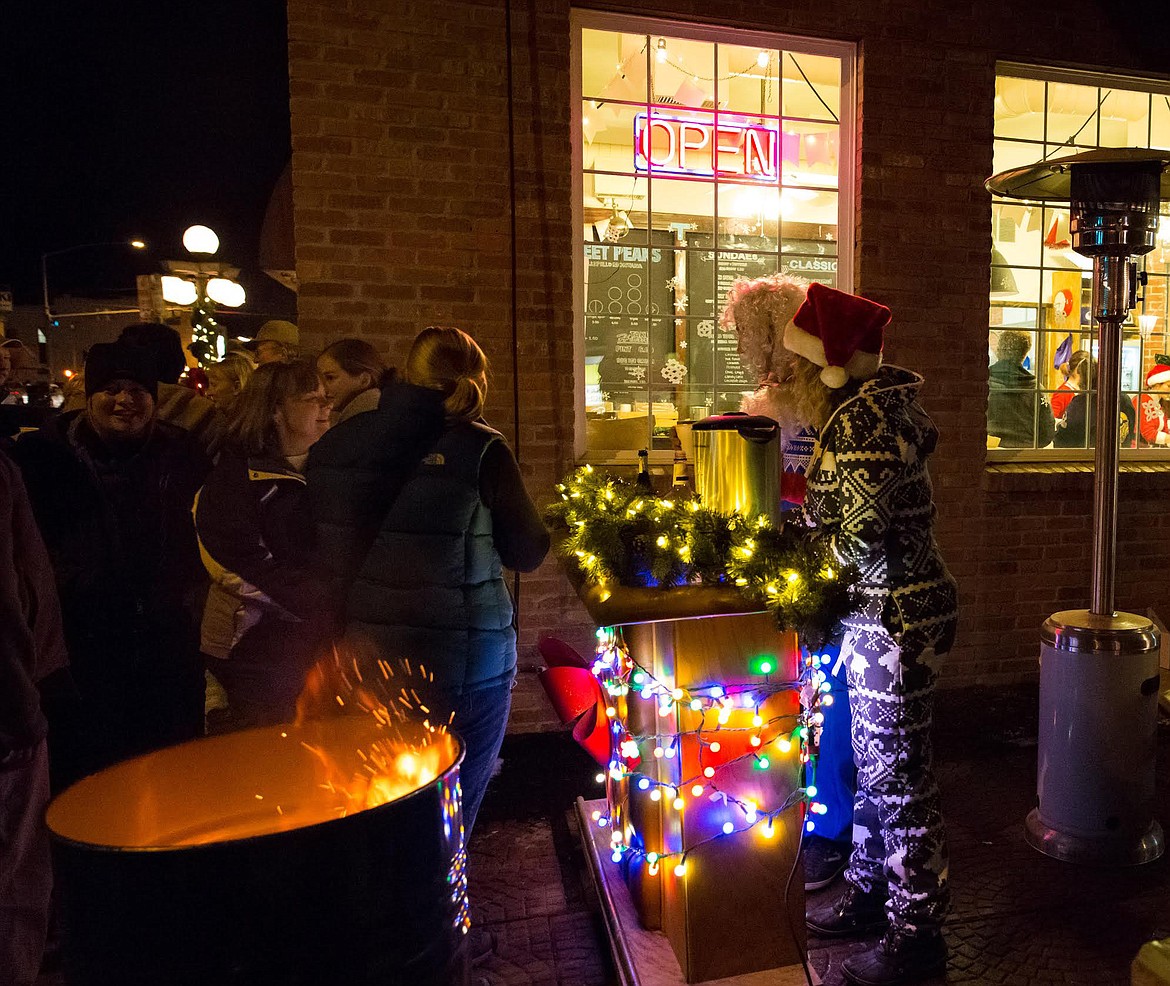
1052 179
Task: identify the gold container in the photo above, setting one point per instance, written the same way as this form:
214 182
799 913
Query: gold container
737 464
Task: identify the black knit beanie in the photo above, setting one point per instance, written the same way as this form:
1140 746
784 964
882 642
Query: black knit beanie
108 361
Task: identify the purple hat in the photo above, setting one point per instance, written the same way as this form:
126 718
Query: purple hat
1063 353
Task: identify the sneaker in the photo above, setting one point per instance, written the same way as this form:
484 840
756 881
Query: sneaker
901 957
854 914
824 861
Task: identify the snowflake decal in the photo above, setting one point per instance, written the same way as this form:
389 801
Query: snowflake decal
676 284
706 329
682 344
680 303
673 371
637 372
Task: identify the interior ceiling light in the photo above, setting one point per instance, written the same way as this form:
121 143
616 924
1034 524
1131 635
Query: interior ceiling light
619 222
660 54
1003 281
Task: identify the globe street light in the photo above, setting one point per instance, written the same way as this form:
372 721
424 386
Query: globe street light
49 314
201 285
200 239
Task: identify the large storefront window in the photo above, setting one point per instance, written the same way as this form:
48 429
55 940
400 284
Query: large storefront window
1042 343
705 156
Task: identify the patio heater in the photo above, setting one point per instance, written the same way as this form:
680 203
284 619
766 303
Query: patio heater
1099 667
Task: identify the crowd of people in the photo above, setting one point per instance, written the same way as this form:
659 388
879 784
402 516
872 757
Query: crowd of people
1018 418
161 545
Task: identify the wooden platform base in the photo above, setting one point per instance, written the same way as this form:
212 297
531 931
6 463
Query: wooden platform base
645 958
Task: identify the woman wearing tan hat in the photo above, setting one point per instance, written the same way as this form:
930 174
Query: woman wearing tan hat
277 342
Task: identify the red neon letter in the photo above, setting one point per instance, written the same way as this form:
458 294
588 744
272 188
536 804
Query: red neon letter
647 144
685 145
757 160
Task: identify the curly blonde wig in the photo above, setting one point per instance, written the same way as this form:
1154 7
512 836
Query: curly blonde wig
757 310
790 388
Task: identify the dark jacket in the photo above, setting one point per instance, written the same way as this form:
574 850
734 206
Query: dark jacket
256 540
1016 414
120 535
118 528
357 468
31 642
426 577
1080 423
869 492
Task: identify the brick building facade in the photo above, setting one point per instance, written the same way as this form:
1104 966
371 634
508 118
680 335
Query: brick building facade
402 210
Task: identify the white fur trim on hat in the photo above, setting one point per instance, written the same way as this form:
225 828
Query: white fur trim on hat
805 344
1158 374
861 365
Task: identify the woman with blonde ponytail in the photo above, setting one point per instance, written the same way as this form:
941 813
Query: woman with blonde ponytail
419 516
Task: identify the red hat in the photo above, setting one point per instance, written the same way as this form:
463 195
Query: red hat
839 331
1159 373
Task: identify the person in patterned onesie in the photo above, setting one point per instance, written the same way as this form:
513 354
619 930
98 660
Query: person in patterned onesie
869 494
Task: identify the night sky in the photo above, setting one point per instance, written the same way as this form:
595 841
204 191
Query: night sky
138 119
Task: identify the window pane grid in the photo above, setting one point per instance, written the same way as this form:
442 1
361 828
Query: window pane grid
725 164
1042 343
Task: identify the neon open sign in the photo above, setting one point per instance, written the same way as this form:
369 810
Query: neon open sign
672 145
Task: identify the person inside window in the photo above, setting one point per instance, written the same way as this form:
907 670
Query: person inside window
1078 427
1155 407
1016 414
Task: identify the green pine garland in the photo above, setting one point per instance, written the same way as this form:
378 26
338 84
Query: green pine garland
614 532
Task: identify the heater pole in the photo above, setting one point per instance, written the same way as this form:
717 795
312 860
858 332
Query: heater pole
1111 293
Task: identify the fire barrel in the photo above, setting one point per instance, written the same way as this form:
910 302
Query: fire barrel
238 860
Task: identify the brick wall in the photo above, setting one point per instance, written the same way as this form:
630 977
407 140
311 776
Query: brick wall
402 210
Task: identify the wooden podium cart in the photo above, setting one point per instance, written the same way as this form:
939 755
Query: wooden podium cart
723 912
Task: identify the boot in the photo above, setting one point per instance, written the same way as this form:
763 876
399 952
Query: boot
824 860
901 956
854 914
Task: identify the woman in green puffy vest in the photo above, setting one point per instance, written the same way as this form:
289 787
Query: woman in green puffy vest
422 577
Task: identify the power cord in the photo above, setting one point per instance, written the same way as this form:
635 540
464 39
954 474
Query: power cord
800 951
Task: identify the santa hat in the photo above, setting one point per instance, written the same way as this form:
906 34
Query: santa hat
1159 373
839 331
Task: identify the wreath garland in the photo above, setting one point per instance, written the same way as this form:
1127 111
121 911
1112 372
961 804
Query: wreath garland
616 533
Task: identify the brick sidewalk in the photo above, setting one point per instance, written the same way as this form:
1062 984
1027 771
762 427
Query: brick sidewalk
1019 918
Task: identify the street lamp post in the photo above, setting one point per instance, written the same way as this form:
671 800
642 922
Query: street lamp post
202 285
49 313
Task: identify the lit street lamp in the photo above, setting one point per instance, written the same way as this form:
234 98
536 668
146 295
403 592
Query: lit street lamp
49 313
201 286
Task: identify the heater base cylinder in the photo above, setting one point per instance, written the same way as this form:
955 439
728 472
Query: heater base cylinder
1096 758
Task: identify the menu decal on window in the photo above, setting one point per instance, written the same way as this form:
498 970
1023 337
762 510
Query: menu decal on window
626 285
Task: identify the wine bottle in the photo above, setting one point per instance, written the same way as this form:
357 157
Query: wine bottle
643 481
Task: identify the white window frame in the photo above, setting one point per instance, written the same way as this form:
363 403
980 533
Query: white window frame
846 185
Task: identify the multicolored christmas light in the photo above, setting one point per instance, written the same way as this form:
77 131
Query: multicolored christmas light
621 676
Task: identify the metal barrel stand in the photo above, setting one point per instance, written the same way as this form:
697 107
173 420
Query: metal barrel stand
1098 717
